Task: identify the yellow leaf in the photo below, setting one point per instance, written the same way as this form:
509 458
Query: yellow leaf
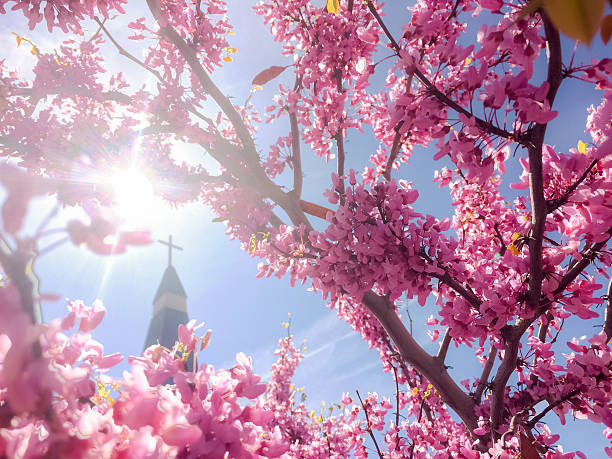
468 61
333 6
18 39
228 59
582 147
415 390
514 249
606 29
253 244
515 236
579 19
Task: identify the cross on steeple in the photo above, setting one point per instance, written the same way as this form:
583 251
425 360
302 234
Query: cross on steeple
170 247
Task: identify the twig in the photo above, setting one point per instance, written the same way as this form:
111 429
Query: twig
340 145
607 328
396 398
296 157
397 143
484 377
484 125
444 347
502 244
46 220
126 53
554 204
587 256
533 421
450 281
369 429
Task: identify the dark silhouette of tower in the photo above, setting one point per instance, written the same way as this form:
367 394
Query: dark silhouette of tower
169 306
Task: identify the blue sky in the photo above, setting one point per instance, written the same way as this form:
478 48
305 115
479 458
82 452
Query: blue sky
245 313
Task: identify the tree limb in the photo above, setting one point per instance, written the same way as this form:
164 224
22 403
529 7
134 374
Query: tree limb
607 328
296 158
434 91
554 204
397 144
539 213
369 429
450 281
484 377
444 347
533 421
424 363
126 53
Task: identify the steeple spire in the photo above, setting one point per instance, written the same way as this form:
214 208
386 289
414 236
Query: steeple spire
169 306
170 247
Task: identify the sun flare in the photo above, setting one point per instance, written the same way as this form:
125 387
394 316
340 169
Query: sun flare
135 201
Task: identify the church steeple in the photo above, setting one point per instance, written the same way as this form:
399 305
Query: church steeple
169 306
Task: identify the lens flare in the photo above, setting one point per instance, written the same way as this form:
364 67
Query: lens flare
135 201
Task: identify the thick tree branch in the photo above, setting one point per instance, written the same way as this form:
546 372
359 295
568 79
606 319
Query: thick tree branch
535 142
424 363
18 267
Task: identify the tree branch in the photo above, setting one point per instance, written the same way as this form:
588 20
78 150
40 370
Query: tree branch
434 91
296 158
126 53
587 256
533 421
115 96
444 347
369 429
554 204
484 377
424 363
539 212
192 59
450 281
607 327
340 144
397 144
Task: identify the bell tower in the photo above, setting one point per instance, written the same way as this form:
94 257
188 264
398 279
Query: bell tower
169 306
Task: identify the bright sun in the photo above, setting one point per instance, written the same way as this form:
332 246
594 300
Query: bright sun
134 196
